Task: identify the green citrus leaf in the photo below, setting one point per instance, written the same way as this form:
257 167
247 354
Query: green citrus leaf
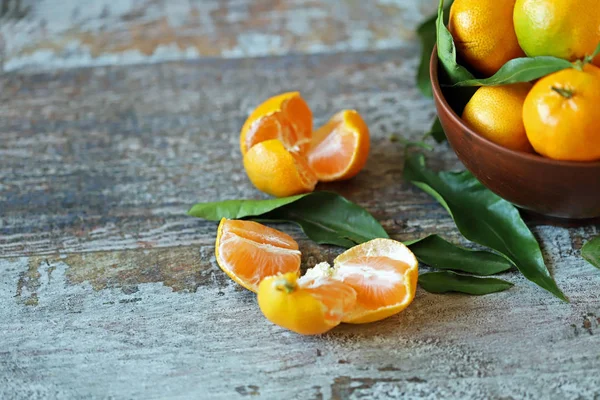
438 253
426 32
236 209
447 50
485 218
325 217
410 143
523 69
591 252
328 218
436 131
446 281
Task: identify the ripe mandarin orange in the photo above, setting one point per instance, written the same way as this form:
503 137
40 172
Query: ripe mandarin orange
568 29
283 158
286 117
310 305
484 34
368 282
495 112
276 171
382 273
562 114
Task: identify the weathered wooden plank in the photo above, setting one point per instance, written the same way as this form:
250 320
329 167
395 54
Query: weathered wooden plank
108 289
82 171
166 322
45 34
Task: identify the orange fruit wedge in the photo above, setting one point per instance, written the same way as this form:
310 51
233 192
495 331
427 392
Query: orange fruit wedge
310 305
284 157
368 282
276 171
384 274
248 252
339 149
286 117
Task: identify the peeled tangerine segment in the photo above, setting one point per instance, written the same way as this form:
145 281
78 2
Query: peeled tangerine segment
311 305
369 282
340 148
248 252
285 117
337 298
384 274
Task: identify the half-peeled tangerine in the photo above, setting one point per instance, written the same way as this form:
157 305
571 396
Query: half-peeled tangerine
284 157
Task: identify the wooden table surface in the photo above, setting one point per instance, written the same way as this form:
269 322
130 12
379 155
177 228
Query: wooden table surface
116 117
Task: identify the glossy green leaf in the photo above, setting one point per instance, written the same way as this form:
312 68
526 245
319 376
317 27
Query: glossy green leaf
325 217
484 218
447 50
446 281
436 131
591 252
438 253
329 218
236 209
523 69
410 143
427 34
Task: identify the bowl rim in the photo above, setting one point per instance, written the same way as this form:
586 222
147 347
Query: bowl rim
535 158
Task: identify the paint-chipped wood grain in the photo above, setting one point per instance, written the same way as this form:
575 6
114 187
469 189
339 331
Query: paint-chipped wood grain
110 158
45 34
108 290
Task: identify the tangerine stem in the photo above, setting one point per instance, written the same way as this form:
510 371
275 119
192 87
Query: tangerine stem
566 93
284 285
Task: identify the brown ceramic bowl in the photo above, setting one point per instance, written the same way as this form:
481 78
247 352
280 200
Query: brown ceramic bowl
563 189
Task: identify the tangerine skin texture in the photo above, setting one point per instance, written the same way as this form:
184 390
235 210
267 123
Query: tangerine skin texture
307 308
564 128
276 171
568 29
484 34
297 311
495 112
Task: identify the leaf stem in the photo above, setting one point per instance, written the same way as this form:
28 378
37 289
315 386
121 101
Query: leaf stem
566 93
590 58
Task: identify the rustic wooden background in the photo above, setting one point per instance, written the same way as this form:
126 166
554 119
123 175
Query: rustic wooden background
115 117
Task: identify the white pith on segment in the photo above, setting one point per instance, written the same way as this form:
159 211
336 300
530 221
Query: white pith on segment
321 276
345 266
366 272
278 238
331 144
266 246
